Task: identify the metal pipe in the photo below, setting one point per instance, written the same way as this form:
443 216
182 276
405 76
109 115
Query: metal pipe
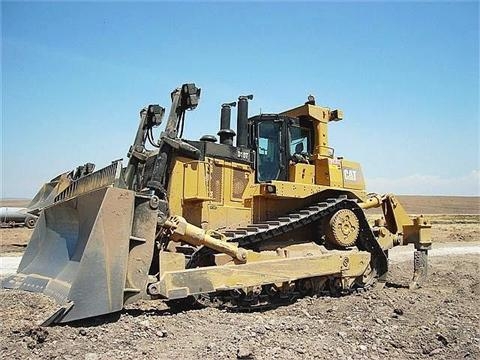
242 120
372 202
193 235
226 134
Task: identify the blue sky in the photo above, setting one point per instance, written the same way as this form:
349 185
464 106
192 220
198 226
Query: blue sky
75 75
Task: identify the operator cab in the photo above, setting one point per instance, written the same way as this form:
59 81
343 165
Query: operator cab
279 141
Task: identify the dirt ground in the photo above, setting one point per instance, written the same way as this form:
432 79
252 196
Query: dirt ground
438 321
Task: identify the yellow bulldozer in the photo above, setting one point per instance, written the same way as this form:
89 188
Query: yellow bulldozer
259 223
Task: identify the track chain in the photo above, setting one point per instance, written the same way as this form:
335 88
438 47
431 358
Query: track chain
253 234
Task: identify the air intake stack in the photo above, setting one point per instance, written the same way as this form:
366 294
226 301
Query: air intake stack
226 134
242 120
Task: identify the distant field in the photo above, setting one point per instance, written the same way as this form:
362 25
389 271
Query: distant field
454 205
14 202
441 204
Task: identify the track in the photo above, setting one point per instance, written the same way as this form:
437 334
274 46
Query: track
266 296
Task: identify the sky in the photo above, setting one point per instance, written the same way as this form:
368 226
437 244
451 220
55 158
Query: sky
406 74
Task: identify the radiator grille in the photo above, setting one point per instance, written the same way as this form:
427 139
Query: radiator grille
240 182
216 183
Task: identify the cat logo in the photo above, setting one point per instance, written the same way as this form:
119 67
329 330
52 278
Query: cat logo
350 174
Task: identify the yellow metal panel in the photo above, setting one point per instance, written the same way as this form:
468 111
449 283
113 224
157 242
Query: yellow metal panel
291 190
175 186
226 217
352 175
328 172
302 173
335 169
177 284
170 261
316 112
196 181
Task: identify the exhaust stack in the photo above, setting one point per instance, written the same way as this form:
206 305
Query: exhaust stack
226 134
242 120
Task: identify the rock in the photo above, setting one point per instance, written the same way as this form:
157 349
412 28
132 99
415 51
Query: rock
82 332
145 323
260 329
91 356
427 348
38 334
244 352
342 334
161 333
362 348
339 351
305 312
378 321
442 339
398 311
435 352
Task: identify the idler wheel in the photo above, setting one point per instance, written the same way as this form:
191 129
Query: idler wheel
343 228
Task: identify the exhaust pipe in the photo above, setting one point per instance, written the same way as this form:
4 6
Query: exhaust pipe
242 120
226 134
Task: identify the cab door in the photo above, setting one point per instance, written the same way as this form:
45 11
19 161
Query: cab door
270 146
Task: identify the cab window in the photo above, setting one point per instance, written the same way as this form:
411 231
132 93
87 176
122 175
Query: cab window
268 162
300 140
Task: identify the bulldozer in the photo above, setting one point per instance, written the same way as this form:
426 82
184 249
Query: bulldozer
263 216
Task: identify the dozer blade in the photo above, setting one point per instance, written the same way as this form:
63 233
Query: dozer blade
78 254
